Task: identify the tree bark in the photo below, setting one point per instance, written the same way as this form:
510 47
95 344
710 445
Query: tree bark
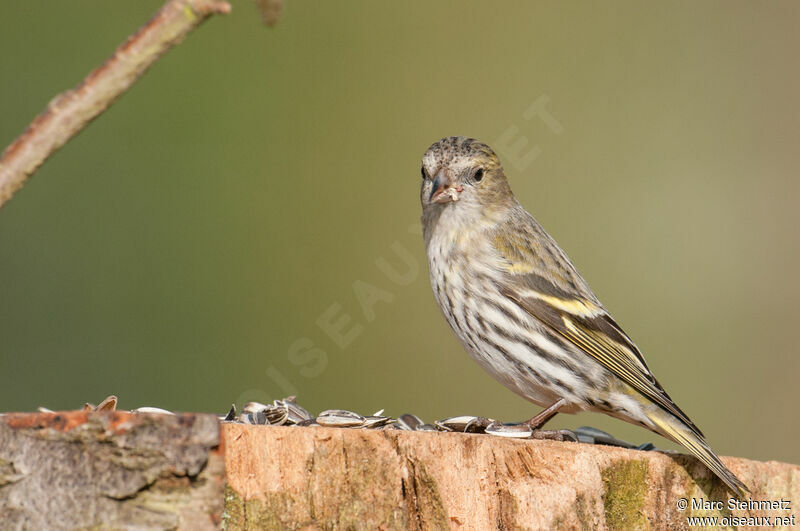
155 471
327 478
112 470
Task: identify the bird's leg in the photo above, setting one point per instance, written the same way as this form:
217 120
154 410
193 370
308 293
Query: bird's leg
541 419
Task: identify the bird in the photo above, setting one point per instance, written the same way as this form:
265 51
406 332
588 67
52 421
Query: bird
522 311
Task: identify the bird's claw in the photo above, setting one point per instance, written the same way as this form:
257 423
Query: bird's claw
554 435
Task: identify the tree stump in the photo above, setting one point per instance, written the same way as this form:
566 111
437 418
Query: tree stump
306 478
189 471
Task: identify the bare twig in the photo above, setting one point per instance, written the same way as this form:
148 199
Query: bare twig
71 111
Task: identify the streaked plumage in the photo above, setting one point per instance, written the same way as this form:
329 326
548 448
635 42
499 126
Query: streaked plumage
522 310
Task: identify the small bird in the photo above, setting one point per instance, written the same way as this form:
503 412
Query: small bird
522 310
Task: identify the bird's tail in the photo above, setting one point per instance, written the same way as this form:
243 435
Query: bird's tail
675 429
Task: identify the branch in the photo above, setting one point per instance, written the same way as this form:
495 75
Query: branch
71 111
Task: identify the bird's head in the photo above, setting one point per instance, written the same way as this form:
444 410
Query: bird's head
462 179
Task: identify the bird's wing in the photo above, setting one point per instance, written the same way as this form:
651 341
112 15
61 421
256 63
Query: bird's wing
543 282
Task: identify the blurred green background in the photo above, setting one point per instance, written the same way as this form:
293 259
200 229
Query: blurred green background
181 251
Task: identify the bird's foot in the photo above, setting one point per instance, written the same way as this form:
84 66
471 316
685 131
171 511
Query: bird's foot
555 435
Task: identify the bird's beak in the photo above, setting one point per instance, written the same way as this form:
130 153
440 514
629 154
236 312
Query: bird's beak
443 190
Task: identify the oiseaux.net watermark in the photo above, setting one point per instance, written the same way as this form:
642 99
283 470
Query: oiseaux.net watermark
737 513
399 267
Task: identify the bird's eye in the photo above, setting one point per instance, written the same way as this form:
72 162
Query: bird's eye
422 171
478 175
